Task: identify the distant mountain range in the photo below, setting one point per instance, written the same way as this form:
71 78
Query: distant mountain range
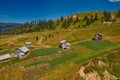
6 26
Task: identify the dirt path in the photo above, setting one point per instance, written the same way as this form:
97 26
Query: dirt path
81 41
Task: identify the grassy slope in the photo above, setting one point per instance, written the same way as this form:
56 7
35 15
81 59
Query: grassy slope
54 65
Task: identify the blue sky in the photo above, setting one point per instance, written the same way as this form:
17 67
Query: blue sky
28 10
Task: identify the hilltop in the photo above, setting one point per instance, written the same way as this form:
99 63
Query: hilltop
46 61
74 21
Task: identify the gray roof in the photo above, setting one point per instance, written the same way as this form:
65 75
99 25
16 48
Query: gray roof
63 41
5 56
24 49
28 43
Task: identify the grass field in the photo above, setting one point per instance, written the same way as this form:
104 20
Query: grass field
55 61
5 52
52 63
35 63
62 59
96 45
46 51
95 55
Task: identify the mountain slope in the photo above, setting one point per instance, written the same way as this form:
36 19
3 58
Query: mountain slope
74 21
46 61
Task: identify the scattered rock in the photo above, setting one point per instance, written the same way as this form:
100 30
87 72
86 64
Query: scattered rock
92 76
89 76
101 63
108 76
90 64
81 71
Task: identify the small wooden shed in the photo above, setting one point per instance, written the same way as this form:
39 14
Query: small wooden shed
98 37
21 51
65 45
5 57
27 43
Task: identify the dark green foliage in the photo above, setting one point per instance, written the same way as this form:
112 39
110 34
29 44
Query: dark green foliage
96 17
91 19
61 19
107 16
65 24
70 19
86 21
51 25
118 14
89 69
37 38
78 26
77 18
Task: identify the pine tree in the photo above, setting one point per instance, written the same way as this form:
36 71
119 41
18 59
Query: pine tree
71 19
37 38
91 19
77 18
107 16
118 14
61 19
86 21
96 17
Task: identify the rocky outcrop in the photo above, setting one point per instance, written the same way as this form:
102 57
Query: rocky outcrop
89 76
94 74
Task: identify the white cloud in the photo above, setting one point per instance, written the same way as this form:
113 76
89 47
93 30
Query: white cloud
114 0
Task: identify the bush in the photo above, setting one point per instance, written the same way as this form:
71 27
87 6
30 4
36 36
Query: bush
89 69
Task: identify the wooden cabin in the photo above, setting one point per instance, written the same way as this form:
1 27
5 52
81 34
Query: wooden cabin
64 45
97 37
5 57
21 51
27 43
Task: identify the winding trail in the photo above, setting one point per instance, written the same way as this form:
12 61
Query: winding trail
81 41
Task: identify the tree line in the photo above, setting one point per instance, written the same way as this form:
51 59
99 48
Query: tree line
41 25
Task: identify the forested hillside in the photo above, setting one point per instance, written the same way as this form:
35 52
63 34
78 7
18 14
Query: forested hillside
74 21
